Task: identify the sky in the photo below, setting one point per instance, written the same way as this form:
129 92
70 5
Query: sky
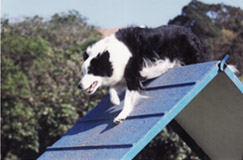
105 13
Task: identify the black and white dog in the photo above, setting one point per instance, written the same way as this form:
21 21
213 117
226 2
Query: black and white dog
131 55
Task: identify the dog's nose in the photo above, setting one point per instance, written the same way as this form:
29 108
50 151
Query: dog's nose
79 86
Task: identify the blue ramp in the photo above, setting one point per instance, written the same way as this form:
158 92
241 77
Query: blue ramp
95 136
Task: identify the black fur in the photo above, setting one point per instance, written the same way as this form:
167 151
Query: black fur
100 65
173 42
85 55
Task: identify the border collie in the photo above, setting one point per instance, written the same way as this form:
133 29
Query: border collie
131 55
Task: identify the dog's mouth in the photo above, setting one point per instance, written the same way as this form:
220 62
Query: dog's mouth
92 87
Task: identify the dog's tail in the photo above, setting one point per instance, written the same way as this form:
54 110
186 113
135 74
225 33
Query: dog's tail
233 68
155 69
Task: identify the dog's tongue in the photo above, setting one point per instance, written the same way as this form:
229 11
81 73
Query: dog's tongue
92 87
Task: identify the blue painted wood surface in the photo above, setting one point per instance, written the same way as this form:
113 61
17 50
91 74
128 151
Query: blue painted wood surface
95 136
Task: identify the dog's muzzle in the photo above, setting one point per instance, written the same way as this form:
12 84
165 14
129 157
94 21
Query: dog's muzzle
80 86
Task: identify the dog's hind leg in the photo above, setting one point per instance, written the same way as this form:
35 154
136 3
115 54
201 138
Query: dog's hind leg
131 97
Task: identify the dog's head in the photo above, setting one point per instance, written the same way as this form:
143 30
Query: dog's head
96 69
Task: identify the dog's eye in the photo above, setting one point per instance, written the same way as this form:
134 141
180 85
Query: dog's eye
85 55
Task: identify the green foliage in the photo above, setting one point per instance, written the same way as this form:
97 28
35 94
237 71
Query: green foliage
166 145
16 109
219 26
40 68
15 82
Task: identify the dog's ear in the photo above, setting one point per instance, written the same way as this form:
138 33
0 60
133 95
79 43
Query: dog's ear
100 65
85 55
106 55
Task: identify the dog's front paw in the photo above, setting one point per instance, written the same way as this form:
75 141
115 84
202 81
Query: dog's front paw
115 100
118 120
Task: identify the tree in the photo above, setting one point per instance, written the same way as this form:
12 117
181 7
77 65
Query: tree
40 71
219 26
